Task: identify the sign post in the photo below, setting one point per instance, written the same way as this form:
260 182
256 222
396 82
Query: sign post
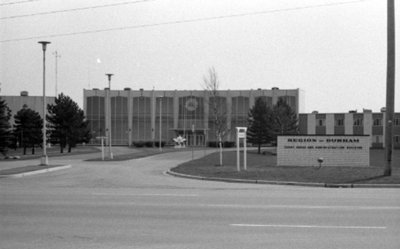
102 146
241 134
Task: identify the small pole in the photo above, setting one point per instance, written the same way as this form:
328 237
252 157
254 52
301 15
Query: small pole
245 153
102 148
159 145
237 149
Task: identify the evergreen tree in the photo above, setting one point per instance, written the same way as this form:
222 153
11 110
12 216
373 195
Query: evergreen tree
285 120
5 127
28 128
259 124
67 123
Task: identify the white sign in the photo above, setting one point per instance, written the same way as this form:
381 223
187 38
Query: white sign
334 150
241 133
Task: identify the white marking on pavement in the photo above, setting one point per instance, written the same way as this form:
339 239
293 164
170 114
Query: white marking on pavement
303 207
146 195
306 226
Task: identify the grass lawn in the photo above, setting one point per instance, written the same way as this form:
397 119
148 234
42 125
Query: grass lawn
51 152
138 153
263 167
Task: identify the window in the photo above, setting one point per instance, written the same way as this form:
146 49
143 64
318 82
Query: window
378 139
339 122
397 139
358 122
378 122
397 121
321 122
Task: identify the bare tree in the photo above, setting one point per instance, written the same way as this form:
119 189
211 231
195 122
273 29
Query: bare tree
217 108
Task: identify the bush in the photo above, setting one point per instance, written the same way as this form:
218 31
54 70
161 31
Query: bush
139 144
225 144
228 144
157 144
149 144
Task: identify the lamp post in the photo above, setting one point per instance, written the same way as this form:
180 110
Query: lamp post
109 113
44 158
159 144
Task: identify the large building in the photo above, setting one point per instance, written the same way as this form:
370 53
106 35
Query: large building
352 123
135 115
16 103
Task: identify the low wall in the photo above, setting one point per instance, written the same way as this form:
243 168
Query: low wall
335 150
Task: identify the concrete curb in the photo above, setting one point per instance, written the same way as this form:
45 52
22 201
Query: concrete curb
304 184
35 172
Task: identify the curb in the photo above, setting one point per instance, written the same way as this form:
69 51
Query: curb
35 172
304 184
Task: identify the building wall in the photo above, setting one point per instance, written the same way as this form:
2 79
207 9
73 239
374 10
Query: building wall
15 103
134 115
366 123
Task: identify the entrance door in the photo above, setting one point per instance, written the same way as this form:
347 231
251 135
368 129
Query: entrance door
195 139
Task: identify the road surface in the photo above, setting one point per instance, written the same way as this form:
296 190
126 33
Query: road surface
133 204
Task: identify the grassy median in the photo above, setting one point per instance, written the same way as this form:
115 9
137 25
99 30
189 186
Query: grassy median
263 167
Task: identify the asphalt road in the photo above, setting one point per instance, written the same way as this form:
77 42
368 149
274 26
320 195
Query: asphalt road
133 204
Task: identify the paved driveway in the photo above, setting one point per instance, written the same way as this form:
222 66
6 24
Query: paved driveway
133 204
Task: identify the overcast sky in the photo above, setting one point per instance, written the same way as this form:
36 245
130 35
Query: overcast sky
333 50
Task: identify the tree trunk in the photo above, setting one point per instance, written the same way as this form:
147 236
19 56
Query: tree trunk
69 148
33 150
61 149
259 148
24 150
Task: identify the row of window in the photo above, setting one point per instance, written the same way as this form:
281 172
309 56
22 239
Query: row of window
356 122
379 139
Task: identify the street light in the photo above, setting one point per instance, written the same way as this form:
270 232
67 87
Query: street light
109 113
159 145
44 158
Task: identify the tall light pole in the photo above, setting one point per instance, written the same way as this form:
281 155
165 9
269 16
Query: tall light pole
390 82
159 145
109 113
44 158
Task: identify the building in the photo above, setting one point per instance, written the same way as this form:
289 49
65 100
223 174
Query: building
16 103
135 115
352 123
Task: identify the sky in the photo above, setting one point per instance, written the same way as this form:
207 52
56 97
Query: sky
333 50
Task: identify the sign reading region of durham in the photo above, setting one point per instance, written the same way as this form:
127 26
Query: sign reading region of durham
334 150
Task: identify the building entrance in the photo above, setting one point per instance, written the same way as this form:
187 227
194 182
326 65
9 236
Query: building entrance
195 139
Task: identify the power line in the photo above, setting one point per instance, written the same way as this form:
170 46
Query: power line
75 9
17 2
203 19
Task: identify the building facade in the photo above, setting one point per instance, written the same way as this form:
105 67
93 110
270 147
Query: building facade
16 103
352 123
146 115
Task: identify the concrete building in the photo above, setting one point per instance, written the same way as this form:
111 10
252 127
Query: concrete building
15 103
352 123
134 115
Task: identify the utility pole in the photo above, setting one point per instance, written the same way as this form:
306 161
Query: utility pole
390 82
56 55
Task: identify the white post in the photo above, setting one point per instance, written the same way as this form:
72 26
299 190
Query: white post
159 145
241 133
245 153
102 148
237 149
